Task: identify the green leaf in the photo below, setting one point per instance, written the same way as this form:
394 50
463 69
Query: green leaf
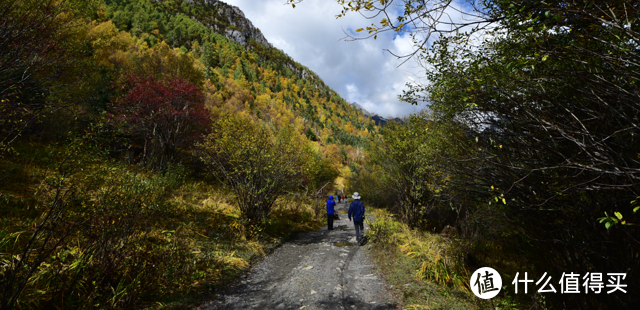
635 209
618 215
544 58
607 225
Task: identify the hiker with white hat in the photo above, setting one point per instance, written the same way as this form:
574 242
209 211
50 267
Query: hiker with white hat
356 209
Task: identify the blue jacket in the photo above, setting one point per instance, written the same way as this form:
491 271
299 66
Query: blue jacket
356 209
330 204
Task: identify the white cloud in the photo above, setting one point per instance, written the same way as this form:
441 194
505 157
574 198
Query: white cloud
352 88
359 70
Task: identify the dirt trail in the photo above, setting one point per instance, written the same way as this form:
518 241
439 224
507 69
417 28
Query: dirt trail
315 270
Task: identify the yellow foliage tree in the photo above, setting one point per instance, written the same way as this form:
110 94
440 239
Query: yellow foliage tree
255 163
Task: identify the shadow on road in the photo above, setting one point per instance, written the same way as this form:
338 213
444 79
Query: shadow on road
314 270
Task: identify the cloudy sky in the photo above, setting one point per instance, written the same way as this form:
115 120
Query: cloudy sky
360 71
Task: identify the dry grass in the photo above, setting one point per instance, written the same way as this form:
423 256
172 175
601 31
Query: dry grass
426 270
441 260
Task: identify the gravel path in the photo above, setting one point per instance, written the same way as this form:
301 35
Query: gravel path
315 270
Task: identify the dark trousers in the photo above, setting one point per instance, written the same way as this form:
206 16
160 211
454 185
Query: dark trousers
329 221
359 229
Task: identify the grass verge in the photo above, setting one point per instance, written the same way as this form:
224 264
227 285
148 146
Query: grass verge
424 270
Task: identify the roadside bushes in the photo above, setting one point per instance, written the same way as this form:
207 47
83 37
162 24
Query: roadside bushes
555 119
410 171
80 230
40 57
84 239
318 181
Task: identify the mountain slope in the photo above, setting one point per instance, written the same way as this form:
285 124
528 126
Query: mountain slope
232 50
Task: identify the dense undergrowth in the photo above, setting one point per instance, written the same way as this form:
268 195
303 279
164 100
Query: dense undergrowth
87 231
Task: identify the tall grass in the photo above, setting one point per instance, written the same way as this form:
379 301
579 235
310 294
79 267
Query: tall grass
441 260
430 270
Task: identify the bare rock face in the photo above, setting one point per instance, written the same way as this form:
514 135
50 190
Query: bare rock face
237 19
242 28
236 36
359 107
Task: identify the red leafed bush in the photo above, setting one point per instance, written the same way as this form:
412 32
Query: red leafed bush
160 116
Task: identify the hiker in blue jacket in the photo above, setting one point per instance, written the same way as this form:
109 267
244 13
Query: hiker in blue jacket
356 209
330 211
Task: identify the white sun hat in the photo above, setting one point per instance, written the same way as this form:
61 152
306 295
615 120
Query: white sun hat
356 195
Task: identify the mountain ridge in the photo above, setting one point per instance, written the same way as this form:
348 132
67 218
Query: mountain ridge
378 119
229 20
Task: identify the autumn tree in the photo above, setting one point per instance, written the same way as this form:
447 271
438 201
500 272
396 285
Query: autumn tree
162 62
38 51
160 116
410 170
319 181
256 163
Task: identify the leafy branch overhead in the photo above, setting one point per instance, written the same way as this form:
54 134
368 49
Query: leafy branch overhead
425 21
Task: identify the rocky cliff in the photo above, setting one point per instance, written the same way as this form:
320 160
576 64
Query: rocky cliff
230 21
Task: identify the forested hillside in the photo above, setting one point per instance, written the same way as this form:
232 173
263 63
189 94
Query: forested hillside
146 157
263 71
